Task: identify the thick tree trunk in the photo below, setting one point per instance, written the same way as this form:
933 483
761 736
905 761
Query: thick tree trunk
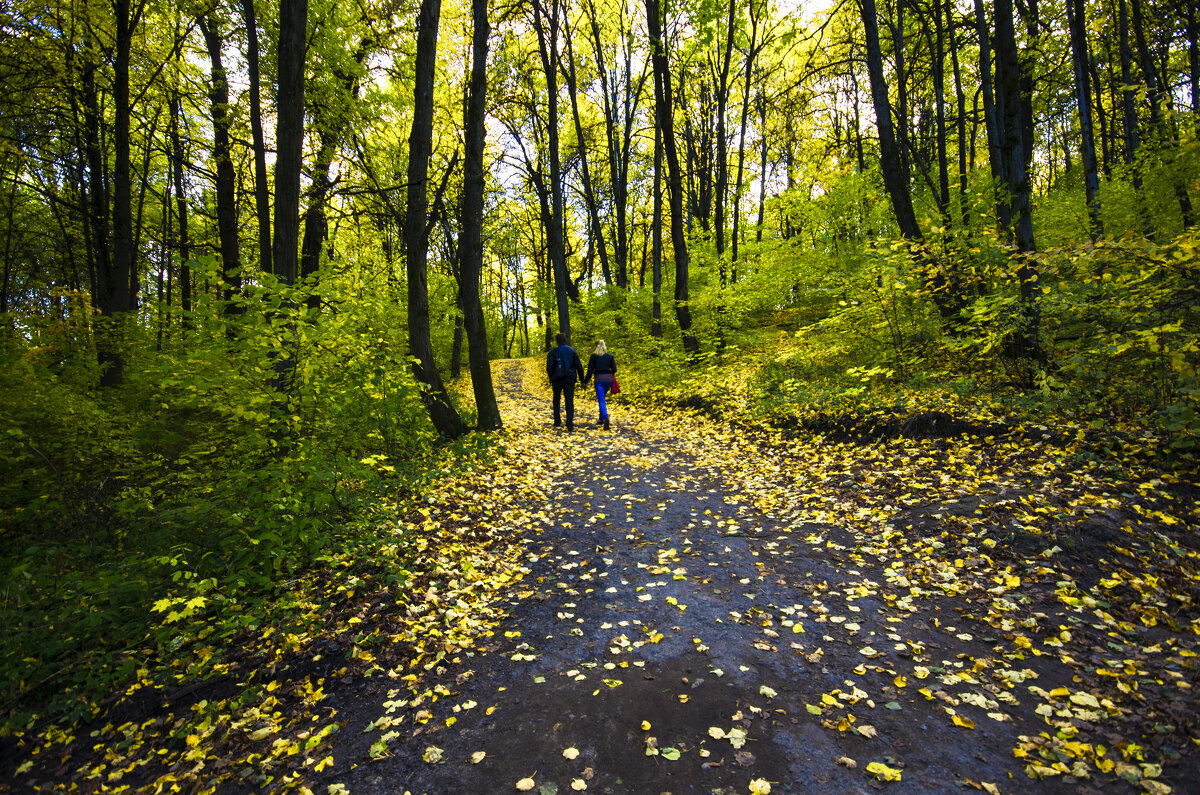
420 146
115 300
471 237
293 23
663 116
289 136
226 181
890 160
1013 129
262 189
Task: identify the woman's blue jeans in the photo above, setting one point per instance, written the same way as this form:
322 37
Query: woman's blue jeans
603 384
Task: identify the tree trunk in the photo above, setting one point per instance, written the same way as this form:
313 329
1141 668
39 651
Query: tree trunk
1077 21
939 94
589 195
762 169
1129 124
547 34
471 238
226 181
115 300
289 137
990 111
890 159
751 52
184 245
722 164
293 23
964 199
262 189
656 235
663 105
416 238
1013 128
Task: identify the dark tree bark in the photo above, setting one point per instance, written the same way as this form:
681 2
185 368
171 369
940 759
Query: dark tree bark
1013 130
114 295
1157 92
751 54
762 168
1192 32
471 239
964 200
901 130
262 189
939 94
890 158
1129 125
416 238
589 194
1077 21
547 34
663 117
183 245
293 23
656 235
990 111
289 136
226 179
948 301
620 100
722 159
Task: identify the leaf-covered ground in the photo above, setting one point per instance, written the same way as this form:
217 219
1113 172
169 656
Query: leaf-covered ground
685 605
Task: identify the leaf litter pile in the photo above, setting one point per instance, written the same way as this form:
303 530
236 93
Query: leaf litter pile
683 605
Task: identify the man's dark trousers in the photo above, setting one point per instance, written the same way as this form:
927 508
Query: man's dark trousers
564 389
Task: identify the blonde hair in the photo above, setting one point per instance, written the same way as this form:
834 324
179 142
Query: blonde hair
601 348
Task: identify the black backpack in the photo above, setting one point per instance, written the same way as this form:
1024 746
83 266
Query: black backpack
562 366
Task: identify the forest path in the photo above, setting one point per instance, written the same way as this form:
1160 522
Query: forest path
671 637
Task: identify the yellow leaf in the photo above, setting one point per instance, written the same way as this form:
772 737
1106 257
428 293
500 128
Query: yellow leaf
525 784
570 753
578 784
966 723
901 680
645 725
883 772
760 786
477 757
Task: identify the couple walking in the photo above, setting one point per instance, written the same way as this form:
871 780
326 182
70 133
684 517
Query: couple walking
562 366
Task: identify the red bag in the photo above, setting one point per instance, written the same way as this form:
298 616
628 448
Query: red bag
616 388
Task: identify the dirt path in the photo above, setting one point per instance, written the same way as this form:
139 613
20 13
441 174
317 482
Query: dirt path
670 638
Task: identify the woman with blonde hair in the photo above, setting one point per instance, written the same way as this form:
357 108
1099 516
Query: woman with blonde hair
602 364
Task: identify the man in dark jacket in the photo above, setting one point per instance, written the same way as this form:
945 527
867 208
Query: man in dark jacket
563 368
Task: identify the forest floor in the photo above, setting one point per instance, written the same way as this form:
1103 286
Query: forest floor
683 605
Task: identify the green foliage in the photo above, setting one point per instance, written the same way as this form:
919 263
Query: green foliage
195 487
